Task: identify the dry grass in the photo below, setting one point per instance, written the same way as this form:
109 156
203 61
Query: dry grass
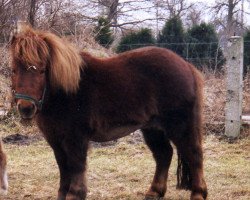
4 57
124 171
215 99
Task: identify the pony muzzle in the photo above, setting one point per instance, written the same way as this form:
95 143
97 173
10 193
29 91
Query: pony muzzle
28 106
27 109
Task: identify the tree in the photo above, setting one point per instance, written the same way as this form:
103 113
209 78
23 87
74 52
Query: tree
103 32
194 15
110 10
123 15
32 12
136 40
5 18
203 47
172 35
172 7
247 52
229 16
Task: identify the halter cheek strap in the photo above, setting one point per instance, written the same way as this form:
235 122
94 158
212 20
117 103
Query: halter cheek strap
38 103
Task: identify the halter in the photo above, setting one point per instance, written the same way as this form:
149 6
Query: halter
38 103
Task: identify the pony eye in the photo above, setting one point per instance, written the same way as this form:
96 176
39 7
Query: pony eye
42 71
13 71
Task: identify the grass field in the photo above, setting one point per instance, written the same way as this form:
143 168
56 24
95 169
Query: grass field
124 170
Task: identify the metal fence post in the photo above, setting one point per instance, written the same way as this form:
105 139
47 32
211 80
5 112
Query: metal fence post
234 85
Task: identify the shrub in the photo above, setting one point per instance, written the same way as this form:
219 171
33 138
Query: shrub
103 33
135 40
203 47
172 36
247 52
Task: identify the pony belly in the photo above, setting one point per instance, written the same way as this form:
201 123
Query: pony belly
114 133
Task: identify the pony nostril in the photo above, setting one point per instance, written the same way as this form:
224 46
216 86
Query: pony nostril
26 110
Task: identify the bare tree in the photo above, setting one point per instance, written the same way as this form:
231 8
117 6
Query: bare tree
8 15
123 14
32 12
229 16
172 7
194 15
111 9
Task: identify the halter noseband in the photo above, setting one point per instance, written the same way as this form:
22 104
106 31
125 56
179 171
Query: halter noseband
38 103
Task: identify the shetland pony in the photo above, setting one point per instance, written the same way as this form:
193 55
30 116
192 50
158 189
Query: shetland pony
76 98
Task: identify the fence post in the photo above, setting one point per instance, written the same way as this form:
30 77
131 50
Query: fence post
234 84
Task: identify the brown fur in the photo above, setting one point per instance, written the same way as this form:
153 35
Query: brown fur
89 98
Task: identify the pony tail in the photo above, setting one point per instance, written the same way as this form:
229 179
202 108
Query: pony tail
183 174
65 63
184 178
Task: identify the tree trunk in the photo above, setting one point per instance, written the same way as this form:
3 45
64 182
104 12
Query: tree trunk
32 13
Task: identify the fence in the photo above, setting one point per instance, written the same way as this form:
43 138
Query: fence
200 54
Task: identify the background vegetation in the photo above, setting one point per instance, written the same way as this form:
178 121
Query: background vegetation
174 24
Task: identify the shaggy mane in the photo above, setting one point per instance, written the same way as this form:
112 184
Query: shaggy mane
39 48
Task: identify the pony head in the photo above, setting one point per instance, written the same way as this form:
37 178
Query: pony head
40 58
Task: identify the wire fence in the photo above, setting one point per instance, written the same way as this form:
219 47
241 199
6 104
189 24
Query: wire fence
202 55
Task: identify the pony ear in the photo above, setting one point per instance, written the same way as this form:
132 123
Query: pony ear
64 63
21 27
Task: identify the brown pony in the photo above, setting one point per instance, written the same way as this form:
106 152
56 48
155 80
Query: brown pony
76 98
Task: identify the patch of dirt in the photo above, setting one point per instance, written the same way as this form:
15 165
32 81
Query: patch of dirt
134 138
103 144
18 139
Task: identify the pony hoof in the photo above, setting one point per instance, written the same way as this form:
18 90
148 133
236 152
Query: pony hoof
3 192
197 197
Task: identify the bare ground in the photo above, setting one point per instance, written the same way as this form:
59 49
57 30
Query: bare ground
124 170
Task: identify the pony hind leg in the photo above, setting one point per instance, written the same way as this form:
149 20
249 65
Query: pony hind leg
162 152
190 160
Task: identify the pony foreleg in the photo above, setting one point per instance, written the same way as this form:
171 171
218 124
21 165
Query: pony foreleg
76 164
71 162
78 189
61 158
3 172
